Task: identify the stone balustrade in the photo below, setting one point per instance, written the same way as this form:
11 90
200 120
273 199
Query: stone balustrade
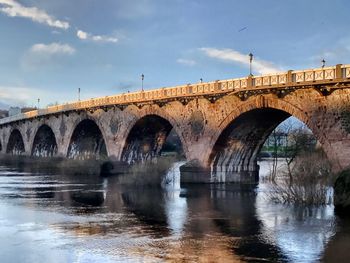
279 80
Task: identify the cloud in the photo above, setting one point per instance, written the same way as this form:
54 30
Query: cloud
53 48
18 95
15 9
230 55
337 53
82 34
43 55
86 36
187 62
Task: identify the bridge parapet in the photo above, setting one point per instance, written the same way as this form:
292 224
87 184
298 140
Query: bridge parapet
319 76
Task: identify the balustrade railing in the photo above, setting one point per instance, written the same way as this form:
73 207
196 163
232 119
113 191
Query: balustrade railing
325 74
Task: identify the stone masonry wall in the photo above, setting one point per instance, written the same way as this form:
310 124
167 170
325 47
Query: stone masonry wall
200 122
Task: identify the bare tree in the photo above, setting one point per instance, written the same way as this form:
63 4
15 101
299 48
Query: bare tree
304 177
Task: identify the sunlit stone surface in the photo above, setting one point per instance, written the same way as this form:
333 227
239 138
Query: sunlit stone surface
221 124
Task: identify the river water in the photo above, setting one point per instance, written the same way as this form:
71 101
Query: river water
59 218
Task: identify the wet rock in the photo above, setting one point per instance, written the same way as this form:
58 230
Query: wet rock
193 172
342 193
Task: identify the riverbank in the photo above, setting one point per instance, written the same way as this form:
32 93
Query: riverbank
52 165
127 174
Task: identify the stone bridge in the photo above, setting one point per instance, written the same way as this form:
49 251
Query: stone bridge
222 124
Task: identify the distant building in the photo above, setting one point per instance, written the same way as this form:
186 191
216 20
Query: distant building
26 109
17 110
4 113
277 139
14 111
284 139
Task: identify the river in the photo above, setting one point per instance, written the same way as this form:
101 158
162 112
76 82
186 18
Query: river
59 218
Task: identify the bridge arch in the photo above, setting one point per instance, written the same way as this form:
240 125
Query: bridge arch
87 141
15 144
146 135
44 143
240 136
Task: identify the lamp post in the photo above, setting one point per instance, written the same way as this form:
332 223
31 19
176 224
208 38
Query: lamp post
142 78
250 63
78 94
323 63
38 102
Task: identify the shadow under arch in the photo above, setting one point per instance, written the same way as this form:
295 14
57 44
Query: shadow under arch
240 136
44 144
15 145
146 137
87 141
234 155
268 103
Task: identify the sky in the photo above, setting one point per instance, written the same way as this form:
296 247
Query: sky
49 49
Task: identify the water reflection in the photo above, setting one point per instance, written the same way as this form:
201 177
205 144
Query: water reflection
61 218
300 232
338 248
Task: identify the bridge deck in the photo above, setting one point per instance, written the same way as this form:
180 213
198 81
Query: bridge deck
311 77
